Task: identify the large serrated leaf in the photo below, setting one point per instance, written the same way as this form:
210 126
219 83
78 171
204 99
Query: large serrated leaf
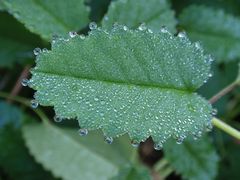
194 160
133 82
55 148
15 160
154 13
46 17
218 31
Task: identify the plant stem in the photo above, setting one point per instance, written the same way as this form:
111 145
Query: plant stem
17 87
160 164
134 156
166 172
225 127
25 102
223 92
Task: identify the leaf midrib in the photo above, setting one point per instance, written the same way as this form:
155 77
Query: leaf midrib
179 90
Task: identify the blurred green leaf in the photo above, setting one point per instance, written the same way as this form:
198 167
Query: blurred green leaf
85 157
98 9
155 13
229 165
16 43
132 173
14 157
217 30
46 18
194 160
2 7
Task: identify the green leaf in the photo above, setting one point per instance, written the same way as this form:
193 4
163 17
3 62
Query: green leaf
133 82
16 43
217 30
155 15
46 18
2 7
55 148
194 160
229 164
14 157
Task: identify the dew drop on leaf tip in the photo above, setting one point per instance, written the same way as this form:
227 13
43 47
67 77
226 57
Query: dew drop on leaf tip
57 119
37 51
142 27
92 25
163 29
72 34
83 132
158 146
25 82
45 50
34 104
182 35
108 140
135 143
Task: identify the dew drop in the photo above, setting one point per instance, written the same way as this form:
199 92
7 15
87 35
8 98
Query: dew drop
45 50
197 45
108 140
164 29
34 104
83 132
214 112
150 31
96 99
135 143
142 27
125 28
210 75
158 146
106 18
180 140
182 35
57 119
72 34
37 51
82 36
25 82
92 25
209 127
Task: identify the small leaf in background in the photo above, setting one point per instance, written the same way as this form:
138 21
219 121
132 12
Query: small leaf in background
85 158
154 13
133 81
98 9
47 18
218 31
2 7
132 173
14 157
16 43
194 160
229 164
